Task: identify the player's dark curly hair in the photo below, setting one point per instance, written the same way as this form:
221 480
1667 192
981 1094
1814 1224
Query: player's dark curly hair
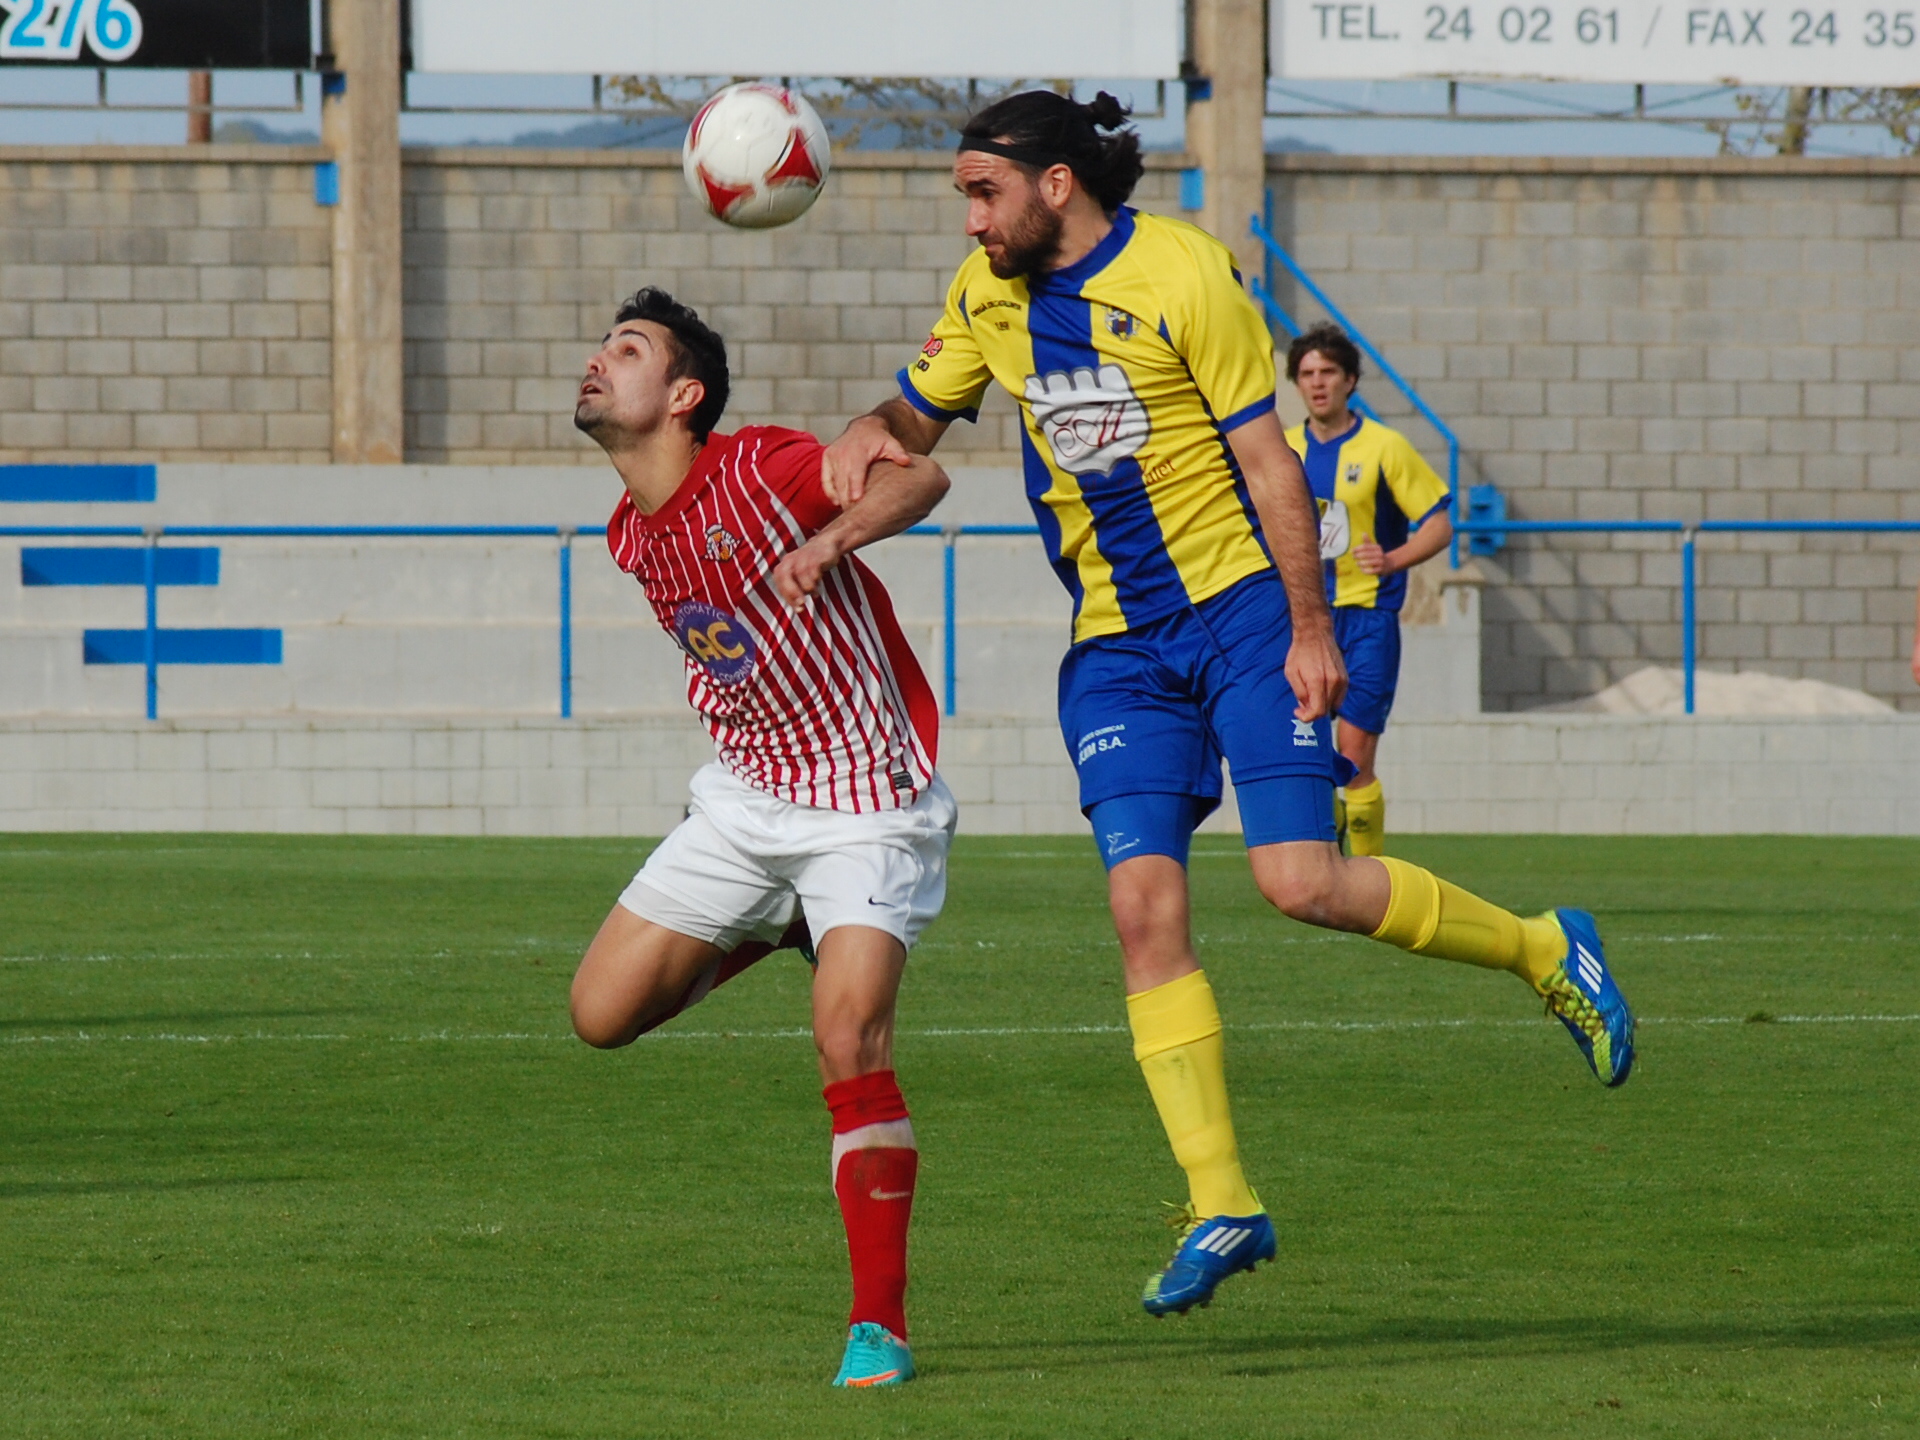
698 351
1332 342
1057 126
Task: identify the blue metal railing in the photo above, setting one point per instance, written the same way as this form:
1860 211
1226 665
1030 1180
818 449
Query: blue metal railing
152 534
1687 531
949 536
1262 289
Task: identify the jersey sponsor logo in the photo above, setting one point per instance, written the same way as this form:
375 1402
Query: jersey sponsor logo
1119 842
1120 324
1303 736
1097 742
716 641
933 346
1336 529
1091 418
985 305
722 543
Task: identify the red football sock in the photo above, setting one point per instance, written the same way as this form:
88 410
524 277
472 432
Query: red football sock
875 1163
741 958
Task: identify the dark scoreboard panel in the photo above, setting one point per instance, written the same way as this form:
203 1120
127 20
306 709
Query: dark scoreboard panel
159 34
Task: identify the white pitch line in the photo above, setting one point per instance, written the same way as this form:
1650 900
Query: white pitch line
938 1032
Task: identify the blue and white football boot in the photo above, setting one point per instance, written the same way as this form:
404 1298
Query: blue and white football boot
1210 1250
875 1357
1583 997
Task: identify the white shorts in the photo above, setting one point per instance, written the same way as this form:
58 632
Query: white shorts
744 863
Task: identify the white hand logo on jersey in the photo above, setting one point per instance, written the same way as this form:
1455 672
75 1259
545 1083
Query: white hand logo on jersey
1092 419
1336 530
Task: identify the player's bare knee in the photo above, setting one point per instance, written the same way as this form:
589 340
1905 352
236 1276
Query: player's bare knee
1303 893
598 1024
850 1048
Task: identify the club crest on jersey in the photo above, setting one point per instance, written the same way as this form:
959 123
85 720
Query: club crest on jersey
1353 474
715 641
722 543
1120 324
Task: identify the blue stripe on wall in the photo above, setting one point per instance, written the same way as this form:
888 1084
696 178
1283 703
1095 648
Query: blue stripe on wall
77 483
184 647
118 565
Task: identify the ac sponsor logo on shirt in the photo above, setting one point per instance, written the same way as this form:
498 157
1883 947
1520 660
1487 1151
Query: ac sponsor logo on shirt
716 641
1303 736
1091 418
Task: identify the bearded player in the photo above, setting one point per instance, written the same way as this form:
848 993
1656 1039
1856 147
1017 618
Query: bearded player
1179 521
822 814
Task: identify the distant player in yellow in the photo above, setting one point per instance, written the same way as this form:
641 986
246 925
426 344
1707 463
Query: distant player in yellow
1382 511
1177 517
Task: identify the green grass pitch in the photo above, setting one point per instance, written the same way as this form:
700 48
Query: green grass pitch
296 1144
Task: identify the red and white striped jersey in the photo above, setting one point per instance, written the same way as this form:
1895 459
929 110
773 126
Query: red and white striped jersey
825 705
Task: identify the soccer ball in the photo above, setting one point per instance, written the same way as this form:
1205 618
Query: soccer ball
756 156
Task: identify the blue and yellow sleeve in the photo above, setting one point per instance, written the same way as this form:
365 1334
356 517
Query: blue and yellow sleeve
1417 488
947 379
1225 343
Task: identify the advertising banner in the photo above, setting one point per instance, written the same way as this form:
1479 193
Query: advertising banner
1000 39
1654 42
158 34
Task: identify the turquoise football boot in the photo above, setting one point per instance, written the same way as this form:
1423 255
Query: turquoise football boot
875 1356
1210 1250
1583 997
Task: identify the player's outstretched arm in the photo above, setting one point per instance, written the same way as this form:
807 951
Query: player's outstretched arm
1285 506
892 431
897 494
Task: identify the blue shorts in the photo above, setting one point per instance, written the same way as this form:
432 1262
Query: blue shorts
1155 710
1370 644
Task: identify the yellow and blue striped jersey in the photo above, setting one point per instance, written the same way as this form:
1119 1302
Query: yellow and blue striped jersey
1368 481
1131 366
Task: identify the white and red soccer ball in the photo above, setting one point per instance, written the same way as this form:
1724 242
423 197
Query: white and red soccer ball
756 156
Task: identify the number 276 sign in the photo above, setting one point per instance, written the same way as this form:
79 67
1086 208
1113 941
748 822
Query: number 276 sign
158 34
1681 42
61 29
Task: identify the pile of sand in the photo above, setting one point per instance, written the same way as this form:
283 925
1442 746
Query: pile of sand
1659 691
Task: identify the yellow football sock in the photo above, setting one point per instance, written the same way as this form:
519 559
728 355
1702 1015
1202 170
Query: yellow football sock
1176 1039
1431 916
1366 819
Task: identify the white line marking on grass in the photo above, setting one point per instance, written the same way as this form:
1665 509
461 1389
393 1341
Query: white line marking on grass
934 1032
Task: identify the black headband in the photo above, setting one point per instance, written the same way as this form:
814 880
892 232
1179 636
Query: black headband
1021 154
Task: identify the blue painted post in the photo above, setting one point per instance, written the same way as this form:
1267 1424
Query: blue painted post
1689 653
950 536
1459 505
566 622
150 650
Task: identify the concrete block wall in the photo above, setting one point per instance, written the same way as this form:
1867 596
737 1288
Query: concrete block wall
1562 774
516 260
1647 339
1613 339
160 304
